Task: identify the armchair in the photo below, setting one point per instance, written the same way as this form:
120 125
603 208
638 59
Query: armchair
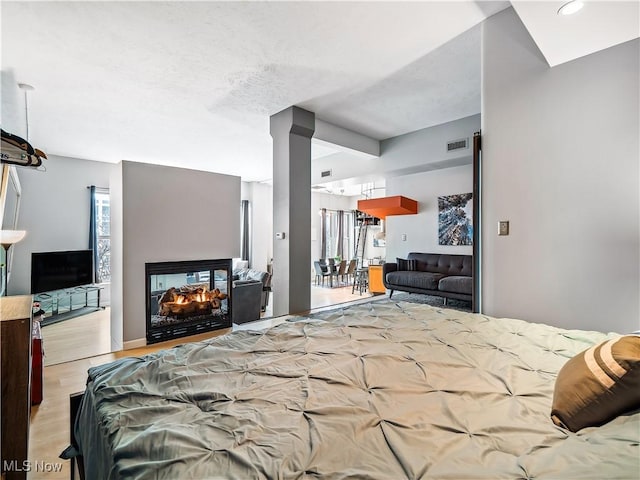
246 298
263 277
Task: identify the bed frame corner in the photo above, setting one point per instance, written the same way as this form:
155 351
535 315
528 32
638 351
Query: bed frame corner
75 399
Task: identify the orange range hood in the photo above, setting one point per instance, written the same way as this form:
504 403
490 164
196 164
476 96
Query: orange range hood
382 207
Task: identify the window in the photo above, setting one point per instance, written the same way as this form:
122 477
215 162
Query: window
333 231
103 227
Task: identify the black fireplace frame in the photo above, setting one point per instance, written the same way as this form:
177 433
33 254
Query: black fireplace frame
186 328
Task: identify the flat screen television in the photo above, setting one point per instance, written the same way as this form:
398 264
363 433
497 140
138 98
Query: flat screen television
58 270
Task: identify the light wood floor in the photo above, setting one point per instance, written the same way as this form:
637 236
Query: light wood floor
80 337
323 296
49 432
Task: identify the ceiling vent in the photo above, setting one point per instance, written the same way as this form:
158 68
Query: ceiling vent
325 173
457 144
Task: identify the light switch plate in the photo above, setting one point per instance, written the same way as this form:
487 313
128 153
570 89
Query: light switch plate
404 237
503 227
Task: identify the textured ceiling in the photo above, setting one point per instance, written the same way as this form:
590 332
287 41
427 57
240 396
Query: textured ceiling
193 83
438 87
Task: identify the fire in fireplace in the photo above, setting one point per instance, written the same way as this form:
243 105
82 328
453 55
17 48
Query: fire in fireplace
185 298
188 302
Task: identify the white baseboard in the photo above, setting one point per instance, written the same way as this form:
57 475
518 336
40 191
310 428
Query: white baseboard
137 343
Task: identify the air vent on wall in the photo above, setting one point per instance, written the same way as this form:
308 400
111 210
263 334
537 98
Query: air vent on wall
457 144
325 173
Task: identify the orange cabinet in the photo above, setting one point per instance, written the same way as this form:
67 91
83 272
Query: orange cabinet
375 279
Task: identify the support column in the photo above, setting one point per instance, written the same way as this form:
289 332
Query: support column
292 130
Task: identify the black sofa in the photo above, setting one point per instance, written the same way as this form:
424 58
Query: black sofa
447 276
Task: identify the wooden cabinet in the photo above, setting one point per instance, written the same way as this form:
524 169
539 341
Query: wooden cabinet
15 370
375 279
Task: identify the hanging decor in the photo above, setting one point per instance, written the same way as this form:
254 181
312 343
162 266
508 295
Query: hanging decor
17 151
455 219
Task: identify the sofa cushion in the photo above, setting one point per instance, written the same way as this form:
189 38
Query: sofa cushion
251 274
423 280
407 265
443 263
456 284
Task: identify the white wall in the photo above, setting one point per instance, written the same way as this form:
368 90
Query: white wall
370 250
54 210
422 229
260 198
561 163
169 214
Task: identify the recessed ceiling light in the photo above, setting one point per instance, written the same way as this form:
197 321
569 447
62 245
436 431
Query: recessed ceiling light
570 8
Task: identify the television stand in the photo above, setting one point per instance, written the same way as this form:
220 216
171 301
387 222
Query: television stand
60 305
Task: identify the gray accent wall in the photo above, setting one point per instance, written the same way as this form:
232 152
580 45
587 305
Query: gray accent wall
426 149
291 130
419 151
168 214
561 163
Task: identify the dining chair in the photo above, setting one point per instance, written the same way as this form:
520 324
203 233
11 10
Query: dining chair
341 271
351 270
321 272
331 263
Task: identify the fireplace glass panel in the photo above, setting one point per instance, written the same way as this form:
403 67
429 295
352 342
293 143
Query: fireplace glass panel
185 298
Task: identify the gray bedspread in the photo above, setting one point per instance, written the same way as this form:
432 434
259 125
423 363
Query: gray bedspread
382 390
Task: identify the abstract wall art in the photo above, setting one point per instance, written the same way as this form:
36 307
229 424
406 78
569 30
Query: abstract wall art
455 215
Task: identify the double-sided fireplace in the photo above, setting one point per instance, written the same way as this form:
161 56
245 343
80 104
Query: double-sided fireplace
186 298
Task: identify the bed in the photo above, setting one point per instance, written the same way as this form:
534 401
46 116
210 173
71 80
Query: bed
381 390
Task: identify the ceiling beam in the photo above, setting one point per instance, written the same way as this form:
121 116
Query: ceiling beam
345 140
